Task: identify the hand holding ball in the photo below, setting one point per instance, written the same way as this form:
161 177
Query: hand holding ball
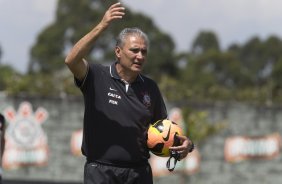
161 136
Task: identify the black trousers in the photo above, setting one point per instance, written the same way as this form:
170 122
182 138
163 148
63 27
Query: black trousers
97 173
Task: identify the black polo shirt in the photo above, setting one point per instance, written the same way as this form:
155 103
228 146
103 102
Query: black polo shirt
117 115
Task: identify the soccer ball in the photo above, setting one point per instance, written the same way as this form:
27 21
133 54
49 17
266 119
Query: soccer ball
161 136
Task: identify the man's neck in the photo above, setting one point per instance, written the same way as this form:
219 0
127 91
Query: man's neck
126 75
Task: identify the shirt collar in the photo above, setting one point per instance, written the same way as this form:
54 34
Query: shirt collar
114 74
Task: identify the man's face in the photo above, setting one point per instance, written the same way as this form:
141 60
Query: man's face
133 54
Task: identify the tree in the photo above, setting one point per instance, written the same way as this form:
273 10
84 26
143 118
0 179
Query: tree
7 76
0 54
75 18
205 41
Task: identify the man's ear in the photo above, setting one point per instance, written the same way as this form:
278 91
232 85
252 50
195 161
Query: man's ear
117 51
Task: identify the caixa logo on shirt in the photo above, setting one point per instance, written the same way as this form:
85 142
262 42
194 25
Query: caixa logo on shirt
26 142
114 98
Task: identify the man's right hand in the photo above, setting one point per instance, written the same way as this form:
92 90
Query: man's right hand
115 11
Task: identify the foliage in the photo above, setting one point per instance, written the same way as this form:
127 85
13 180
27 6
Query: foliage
42 85
204 42
248 73
7 75
199 127
0 54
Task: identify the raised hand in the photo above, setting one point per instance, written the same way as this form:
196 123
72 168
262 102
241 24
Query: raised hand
115 11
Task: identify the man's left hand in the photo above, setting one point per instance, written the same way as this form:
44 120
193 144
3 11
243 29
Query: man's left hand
186 147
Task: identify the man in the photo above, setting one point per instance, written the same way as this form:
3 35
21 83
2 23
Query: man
120 103
2 142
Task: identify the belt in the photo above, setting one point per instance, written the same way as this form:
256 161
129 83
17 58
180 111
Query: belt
120 164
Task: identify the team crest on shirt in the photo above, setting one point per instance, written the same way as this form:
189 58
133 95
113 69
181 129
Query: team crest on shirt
146 99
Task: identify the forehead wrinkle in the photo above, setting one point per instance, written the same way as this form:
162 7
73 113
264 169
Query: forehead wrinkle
136 42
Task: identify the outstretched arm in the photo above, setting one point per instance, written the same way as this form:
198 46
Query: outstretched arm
75 59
